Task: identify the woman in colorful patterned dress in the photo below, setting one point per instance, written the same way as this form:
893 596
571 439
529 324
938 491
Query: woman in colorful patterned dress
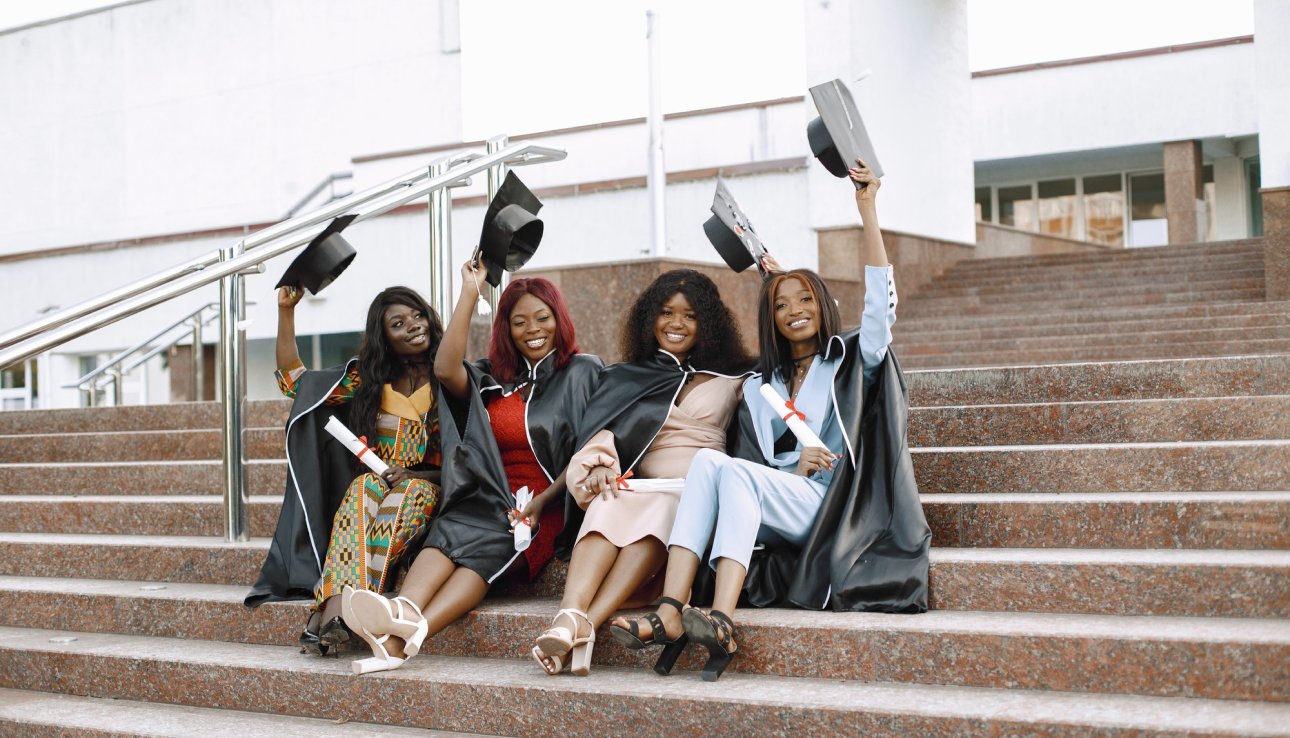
388 395
513 424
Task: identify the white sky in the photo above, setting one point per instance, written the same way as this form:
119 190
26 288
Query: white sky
530 66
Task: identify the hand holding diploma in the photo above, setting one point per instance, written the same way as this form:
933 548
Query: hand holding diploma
357 446
815 455
522 527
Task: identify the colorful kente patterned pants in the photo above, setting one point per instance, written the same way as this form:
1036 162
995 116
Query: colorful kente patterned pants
371 532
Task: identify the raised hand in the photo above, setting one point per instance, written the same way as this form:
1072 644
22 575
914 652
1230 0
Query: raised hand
861 174
289 297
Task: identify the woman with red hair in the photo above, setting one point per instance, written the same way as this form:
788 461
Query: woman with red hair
513 425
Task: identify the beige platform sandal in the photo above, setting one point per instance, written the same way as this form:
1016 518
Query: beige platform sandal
559 641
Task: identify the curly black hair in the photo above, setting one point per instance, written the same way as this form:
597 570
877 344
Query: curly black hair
378 364
718 345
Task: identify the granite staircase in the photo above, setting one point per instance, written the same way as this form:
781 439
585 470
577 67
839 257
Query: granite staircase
1156 303
1111 558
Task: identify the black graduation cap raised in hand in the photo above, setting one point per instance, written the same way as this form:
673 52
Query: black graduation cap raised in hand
323 259
732 234
838 137
512 230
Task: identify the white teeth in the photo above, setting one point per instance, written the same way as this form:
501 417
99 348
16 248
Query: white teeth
797 323
535 343
674 336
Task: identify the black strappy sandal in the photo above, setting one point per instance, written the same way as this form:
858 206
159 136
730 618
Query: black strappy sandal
716 632
332 634
672 648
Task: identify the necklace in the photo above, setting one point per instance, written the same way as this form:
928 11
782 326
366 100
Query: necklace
800 366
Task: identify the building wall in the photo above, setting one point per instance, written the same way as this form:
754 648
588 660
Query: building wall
1272 25
171 115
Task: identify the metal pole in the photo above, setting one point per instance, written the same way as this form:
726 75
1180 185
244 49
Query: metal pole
656 178
232 369
199 381
117 386
496 174
441 244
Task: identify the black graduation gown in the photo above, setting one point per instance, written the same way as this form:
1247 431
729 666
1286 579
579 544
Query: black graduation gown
320 470
868 547
471 527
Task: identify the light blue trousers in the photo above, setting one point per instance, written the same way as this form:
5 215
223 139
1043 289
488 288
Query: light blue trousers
746 503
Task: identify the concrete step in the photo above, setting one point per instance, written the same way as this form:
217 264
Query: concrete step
1220 520
1163 268
977 328
1183 338
1063 291
1024 286
45 715
1213 315
1209 583
917 308
1101 380
448 693
1203 252
1192 466
178 477
1174 657
175 416
139 445
1115 421
1126 352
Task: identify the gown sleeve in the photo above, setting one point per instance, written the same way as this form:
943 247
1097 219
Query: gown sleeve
599 451
879 315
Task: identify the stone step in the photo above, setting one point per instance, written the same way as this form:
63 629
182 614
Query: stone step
1061 291
175 416
178 477
1220 520
917 308
1185 337
1173 657
1228 313
138 445
1204 252
1116 421
980 329
1209 583
1164 268
1100 380
510 697
45 715
1024 286
1192 466
1126 352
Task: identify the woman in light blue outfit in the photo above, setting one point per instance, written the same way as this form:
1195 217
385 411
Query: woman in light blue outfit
738 504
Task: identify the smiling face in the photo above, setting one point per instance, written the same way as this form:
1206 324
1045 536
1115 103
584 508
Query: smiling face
677 327
533 328
407 329
797 314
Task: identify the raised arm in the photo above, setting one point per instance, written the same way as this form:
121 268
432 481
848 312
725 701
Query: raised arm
866 203
880 288
448 365
288 298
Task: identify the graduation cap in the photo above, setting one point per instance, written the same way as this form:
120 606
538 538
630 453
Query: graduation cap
323 259
732 234
838 136
512 230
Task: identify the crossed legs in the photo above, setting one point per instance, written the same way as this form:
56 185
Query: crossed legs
442 590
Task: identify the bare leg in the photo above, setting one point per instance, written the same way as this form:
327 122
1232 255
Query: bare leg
635 564
454 595
331 609
682 566
730 581
591 561
428 573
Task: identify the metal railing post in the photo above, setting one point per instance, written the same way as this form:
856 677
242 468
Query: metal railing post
232 369
496 175
198 364
118 385
441 245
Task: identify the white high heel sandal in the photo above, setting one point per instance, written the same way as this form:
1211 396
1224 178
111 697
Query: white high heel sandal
558 641
382 660
377 614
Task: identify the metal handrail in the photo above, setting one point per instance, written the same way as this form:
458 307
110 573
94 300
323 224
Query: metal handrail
78 384
330 180
277 240
162 347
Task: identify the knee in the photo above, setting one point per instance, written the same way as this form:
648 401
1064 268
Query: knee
708 461
739 474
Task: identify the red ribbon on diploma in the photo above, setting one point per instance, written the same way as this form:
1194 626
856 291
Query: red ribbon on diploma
366 448
622 481
792 410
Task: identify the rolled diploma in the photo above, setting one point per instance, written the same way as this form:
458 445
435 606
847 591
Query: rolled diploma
795 424
655 485
357 447
523 530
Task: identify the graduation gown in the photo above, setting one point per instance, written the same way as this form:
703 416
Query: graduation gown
319 471
868 547
471 527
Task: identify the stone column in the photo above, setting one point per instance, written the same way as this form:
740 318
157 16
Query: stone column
1184 183
1276 242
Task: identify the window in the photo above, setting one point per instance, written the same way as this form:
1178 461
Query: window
1017 207
1254 182
1148 225
1104 209
983 213
1209 228
1057 207
338 348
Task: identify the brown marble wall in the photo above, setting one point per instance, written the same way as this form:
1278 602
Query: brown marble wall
181 372
1183 188
1276 242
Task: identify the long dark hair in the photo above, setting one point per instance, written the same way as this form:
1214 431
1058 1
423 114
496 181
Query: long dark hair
776 354
501 347
378 365
718 344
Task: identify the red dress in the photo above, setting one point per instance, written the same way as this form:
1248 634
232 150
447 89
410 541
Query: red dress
522 469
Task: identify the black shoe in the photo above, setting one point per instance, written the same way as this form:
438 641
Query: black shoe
333 634
672 647
309 639
717 633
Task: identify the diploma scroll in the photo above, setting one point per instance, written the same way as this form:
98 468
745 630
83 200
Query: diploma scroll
358 446
654 485
792 417
523 528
